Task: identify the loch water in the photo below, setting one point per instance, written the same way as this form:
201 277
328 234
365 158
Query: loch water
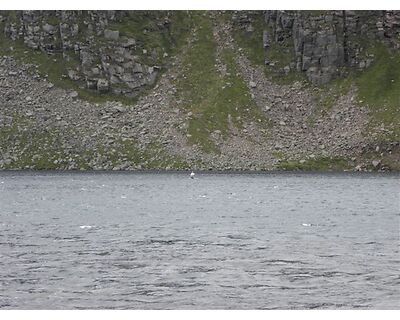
110 240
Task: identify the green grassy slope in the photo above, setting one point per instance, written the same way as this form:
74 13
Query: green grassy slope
379 89
216 101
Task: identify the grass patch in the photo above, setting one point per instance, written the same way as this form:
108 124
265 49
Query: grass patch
314 13
128 152
327 95
216 101
53 20
35 147
12 16
155 157
252 42
279 154
152 157
388 161
379 88
318 164
27 146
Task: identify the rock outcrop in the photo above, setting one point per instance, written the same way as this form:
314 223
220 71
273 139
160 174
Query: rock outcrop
98 56
324 44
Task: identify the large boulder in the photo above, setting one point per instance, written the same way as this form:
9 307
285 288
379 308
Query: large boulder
48 28
111 34
103 85
73 75
91 84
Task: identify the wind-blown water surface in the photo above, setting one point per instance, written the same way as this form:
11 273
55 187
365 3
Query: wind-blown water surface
231 241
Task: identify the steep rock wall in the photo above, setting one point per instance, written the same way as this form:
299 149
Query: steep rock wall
324 45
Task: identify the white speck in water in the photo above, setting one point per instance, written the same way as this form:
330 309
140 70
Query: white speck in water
275 187
85 227
306 224
83 189
123 197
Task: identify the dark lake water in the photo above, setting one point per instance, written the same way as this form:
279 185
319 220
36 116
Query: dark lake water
220 241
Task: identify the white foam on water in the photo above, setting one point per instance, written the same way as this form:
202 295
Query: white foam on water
123 197
276 187
306 224
85 227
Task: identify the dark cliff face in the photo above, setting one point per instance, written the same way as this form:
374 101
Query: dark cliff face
324 45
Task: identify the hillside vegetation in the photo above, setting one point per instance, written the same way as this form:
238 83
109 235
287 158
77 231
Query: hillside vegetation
240 90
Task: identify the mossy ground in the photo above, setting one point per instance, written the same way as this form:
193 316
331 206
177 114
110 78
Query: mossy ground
252 42
216 101
152 157
317 164
327 95
379 88
29 146
36 147
314 13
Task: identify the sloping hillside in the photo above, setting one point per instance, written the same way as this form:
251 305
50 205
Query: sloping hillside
200 90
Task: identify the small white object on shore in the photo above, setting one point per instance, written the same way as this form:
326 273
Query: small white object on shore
192 175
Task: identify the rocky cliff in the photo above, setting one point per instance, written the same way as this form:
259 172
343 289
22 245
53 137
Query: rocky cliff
324 45
119 90
108 51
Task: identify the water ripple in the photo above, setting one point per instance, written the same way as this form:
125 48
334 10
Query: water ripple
160 241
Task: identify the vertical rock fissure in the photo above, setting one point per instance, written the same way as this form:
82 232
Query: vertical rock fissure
345 39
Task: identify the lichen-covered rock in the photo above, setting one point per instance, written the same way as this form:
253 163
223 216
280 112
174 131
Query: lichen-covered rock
73 75
111 34
102 85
